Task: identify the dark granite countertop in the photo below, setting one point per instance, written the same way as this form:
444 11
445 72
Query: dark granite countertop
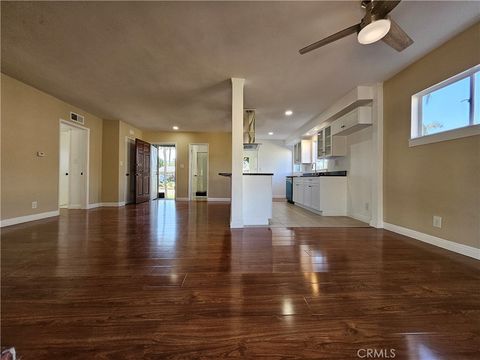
258 174
325 173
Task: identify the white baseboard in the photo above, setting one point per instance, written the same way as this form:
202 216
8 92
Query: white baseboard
27 218
219 199
360 217
112 204
433 240
93 206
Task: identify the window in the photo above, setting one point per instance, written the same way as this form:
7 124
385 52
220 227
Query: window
448 110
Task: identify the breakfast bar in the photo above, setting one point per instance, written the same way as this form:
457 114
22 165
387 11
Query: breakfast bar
257 198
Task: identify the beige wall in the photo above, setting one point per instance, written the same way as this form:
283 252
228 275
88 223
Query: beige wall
435 179
30 123
110 156
220 158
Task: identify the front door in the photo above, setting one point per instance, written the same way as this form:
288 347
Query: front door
142 171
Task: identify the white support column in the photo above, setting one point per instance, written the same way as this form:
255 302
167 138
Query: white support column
377 163
236 206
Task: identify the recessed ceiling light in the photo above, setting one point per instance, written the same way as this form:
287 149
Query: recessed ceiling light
175 127
270 133
288 112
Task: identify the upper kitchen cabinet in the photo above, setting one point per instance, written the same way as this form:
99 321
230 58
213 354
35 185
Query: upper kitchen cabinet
302 152
329 145
354 121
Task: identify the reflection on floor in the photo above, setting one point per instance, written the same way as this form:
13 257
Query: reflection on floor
171 280
288 215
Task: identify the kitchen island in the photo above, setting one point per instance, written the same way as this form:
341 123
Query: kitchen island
257 198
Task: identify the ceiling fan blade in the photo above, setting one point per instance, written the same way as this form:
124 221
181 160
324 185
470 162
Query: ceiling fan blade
337 36
381 8
397 38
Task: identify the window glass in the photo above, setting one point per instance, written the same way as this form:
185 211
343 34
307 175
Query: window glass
446 108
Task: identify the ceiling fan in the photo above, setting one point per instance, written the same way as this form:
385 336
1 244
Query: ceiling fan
375 25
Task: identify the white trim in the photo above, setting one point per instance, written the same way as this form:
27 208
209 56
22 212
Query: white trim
93 206
27 218
416 137
190 193
433 240
453 134
87 160
112 204
376 214
127 170
218 199
165 143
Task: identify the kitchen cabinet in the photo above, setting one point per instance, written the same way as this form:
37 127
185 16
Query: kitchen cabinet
324 194
329 145
354 121
298 189
302 152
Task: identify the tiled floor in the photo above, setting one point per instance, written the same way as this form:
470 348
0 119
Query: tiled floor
288 215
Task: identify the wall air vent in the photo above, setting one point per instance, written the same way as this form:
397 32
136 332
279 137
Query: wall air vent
77 118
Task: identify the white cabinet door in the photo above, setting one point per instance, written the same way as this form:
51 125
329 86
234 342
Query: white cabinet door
307 194
298 190
333 195
315 196
353 121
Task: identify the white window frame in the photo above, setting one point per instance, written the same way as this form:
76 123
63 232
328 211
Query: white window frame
416 119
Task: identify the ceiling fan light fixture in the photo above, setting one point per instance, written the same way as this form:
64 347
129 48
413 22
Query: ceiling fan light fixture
374 31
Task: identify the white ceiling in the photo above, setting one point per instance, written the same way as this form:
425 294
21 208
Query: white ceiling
159 64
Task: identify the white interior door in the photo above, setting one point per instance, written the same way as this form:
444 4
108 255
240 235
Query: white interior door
130 171
153 172
73 167
198 169
64 183
78 171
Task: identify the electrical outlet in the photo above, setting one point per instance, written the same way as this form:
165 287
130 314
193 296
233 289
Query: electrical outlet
34 204
367 206
437 221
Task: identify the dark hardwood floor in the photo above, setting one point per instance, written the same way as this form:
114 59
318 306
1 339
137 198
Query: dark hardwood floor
166 280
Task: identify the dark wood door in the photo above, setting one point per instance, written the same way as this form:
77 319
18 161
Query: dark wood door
142 171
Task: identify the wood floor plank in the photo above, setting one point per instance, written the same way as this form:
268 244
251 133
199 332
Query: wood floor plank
171 280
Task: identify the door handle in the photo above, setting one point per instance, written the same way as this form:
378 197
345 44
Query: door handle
81 173
66 173
127 174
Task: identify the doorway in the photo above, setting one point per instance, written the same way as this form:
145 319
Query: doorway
130 170
198 170
73 166
167 168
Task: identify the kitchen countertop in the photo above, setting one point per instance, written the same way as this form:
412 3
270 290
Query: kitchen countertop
325 173
257 174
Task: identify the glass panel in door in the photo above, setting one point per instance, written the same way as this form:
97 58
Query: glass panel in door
328 141
202 158
167 156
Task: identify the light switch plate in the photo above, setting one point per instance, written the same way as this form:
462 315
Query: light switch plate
437 221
